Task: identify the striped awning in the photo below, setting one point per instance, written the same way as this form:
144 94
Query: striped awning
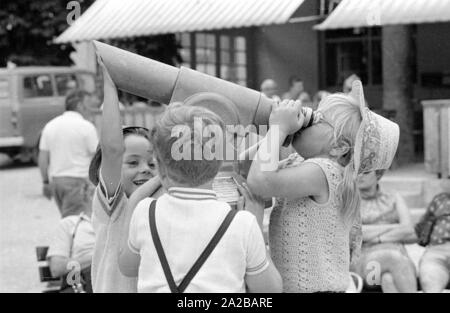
106 19
368 13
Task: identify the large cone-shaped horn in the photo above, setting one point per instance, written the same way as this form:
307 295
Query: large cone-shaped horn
164 83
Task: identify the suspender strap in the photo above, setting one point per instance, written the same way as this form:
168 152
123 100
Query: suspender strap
200 261
208 250
160 250
75 230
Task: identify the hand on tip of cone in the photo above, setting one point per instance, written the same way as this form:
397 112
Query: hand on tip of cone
107 78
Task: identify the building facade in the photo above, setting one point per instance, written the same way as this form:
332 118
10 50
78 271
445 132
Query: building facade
323 59
287 45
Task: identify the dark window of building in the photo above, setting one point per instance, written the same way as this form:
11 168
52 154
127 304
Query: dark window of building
344 59
220 55
357 51
185 50
205 53
377 63
353 51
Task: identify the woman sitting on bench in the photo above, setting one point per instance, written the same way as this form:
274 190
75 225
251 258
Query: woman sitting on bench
70 253
386 228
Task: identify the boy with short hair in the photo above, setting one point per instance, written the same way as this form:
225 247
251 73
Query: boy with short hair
167 237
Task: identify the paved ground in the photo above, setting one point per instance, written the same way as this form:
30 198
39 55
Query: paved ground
26 220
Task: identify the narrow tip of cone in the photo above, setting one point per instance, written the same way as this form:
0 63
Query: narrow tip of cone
97 44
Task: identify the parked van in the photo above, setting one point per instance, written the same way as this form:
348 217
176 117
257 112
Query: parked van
29 98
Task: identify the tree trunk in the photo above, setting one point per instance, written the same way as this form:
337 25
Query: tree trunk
398 85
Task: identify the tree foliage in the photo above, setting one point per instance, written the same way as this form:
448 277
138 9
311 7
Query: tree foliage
163 48
28 28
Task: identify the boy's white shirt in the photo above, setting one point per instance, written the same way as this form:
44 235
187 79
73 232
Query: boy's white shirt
186 220
64 241
110 216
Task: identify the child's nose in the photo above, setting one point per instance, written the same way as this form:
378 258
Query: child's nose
145 168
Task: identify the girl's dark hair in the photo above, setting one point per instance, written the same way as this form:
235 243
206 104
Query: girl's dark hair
379 174
96 161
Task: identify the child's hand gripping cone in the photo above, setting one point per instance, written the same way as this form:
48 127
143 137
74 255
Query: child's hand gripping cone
287 116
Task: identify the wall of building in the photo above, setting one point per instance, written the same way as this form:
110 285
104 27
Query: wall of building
433 56
293 49
282 51
285 51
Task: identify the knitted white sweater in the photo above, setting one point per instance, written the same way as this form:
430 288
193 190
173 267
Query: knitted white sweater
309 242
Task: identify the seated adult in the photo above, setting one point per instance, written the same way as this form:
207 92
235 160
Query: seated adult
270 89
386 228
297 92
348 82
318 97
70 252
435 263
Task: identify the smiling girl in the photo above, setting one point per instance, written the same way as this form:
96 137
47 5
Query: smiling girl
124 172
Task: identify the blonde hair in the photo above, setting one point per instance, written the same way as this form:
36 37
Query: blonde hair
192 172
343 113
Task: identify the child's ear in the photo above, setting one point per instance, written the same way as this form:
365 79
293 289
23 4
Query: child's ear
162 173
342 150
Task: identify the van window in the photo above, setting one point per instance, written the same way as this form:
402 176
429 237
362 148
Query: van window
4 88
37 86
65 83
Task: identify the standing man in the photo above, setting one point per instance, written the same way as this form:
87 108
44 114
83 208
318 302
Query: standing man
67 145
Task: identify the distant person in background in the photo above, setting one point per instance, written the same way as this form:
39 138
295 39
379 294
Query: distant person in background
68 143
10 65
434 233
71 248
297 91
270 89
318 97
72 85
139 103
347 87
